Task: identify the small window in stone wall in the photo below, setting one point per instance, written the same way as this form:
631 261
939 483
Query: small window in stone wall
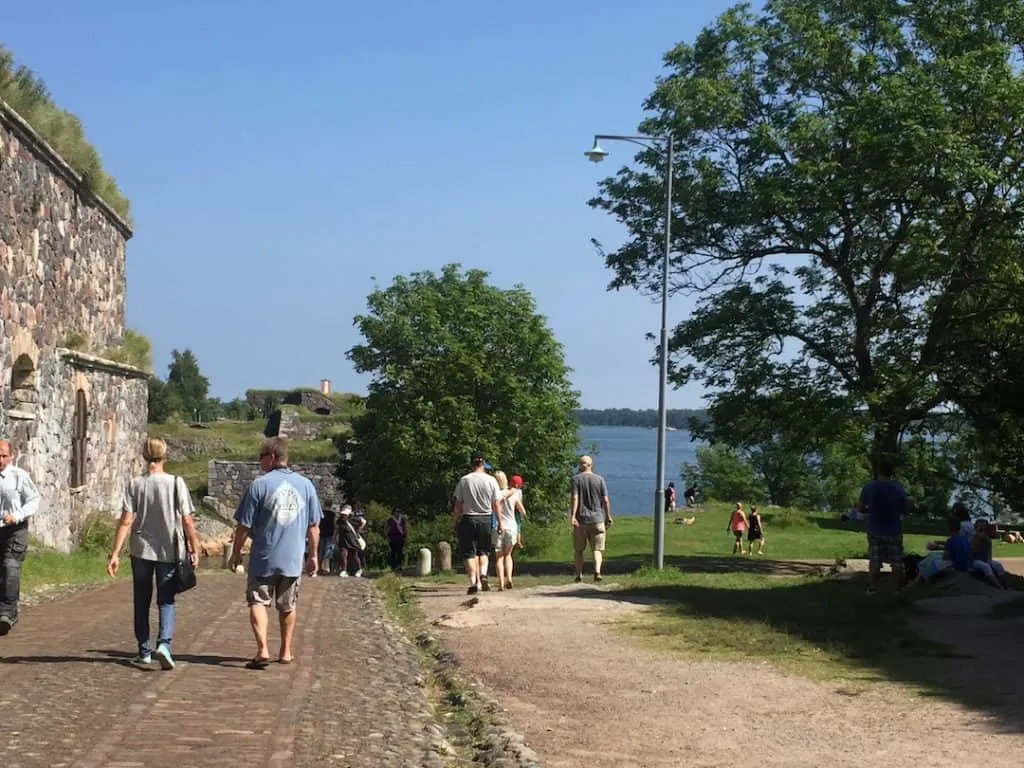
23 386
79 439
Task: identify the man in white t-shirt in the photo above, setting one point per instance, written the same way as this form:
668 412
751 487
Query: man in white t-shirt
477 499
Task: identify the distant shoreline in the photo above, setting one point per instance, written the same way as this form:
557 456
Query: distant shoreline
676 419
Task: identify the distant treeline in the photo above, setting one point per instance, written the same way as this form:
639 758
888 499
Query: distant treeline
627 417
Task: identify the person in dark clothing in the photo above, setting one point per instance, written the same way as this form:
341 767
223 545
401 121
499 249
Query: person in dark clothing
690 496
327 553
397 531
348 543
670 498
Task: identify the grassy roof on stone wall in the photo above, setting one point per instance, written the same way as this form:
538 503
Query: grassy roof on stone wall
27 95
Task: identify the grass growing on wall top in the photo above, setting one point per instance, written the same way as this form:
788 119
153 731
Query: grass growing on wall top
28 96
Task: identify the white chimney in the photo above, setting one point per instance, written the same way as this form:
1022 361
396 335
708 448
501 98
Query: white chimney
325 386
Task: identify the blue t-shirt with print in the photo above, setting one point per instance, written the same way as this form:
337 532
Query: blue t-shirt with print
886 501
278 508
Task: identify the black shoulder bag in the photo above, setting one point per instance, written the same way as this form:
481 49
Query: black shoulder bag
184 572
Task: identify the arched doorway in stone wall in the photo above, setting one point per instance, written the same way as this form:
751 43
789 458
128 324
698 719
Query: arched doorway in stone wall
24 395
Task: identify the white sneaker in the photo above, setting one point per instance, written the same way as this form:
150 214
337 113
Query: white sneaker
359 573
343 574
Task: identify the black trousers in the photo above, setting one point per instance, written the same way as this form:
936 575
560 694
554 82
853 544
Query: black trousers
397 555
13 547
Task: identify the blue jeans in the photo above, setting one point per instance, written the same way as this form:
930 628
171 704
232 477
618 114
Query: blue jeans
143 572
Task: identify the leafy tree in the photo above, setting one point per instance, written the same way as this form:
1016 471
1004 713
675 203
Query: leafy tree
459 365
845 171
135 349
163 401
186 381
723 474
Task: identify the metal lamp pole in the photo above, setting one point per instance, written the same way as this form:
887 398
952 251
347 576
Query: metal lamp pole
597 154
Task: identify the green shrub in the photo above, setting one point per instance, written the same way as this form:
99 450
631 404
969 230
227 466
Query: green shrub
787 518
97 533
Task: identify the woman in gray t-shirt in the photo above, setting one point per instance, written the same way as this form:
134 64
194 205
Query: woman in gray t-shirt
158 514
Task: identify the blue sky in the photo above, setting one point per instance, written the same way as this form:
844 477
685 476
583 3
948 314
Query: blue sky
279 156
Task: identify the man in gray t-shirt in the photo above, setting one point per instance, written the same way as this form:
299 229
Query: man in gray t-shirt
591 516
477 499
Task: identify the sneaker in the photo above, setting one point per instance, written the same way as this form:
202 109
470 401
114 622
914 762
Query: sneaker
471 590
359 573
163 655
484 585
7 624
597 577
579 578
142 660
343 575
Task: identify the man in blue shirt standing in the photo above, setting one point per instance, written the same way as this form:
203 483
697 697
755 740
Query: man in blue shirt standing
884 501
281 512
19 500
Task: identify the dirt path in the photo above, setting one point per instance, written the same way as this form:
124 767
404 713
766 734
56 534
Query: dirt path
584 695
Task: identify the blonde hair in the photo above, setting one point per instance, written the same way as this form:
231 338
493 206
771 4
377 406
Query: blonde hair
154 449
502 480
586 461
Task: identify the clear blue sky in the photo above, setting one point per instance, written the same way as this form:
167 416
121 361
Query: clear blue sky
278 156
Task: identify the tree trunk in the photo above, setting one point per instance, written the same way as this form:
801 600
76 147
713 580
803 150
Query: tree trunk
885 445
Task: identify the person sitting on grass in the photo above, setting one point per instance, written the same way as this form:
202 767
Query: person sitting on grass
992 571
737 525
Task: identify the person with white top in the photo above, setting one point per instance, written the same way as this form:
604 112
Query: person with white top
19 501
506 532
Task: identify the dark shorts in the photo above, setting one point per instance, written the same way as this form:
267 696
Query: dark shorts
738 535
474 535
754 535
885 549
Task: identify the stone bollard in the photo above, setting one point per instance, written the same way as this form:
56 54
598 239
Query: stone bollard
226 559
444 557
423 567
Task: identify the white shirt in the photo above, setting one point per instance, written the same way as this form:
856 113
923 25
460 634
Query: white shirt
18 495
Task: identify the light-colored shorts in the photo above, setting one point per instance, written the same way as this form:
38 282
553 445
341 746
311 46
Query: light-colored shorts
588 533
280 590
506 539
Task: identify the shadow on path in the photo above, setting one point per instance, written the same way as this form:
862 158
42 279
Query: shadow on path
972 661
124 659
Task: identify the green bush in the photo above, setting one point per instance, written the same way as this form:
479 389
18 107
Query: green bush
97 533
27 95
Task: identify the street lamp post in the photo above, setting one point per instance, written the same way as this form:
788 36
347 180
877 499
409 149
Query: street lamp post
596 154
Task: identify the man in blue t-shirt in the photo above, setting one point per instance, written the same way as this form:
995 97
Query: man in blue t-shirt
281 512
884 501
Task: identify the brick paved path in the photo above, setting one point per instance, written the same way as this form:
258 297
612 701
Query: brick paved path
353 697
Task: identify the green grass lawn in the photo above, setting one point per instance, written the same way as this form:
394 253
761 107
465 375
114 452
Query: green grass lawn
789 535
48 567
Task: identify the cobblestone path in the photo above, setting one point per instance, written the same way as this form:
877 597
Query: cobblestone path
69 698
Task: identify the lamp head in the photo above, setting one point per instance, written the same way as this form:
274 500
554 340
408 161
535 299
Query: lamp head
596 154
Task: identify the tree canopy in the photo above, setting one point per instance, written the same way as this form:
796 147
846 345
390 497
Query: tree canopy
847 195
188 385
459 365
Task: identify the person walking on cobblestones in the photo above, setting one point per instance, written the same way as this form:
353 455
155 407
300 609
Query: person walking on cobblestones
281 512
157 513
477 500
19 500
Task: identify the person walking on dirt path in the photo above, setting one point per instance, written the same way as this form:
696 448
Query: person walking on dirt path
884 501
157 515
19 500
517 483
591 516
281 512
507 530
755 532
396 529
477 500
737 525
348 544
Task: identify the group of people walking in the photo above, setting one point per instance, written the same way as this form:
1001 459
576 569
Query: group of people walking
344 542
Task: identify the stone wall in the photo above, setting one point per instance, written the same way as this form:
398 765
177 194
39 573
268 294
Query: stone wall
227 481
114 400
62 275
291 426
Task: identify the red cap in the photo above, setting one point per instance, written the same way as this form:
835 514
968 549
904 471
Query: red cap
517 481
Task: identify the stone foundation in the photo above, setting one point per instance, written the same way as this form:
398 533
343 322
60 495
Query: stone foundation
227 481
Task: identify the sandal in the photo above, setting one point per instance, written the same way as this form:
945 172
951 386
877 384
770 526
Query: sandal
283 660
257 662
